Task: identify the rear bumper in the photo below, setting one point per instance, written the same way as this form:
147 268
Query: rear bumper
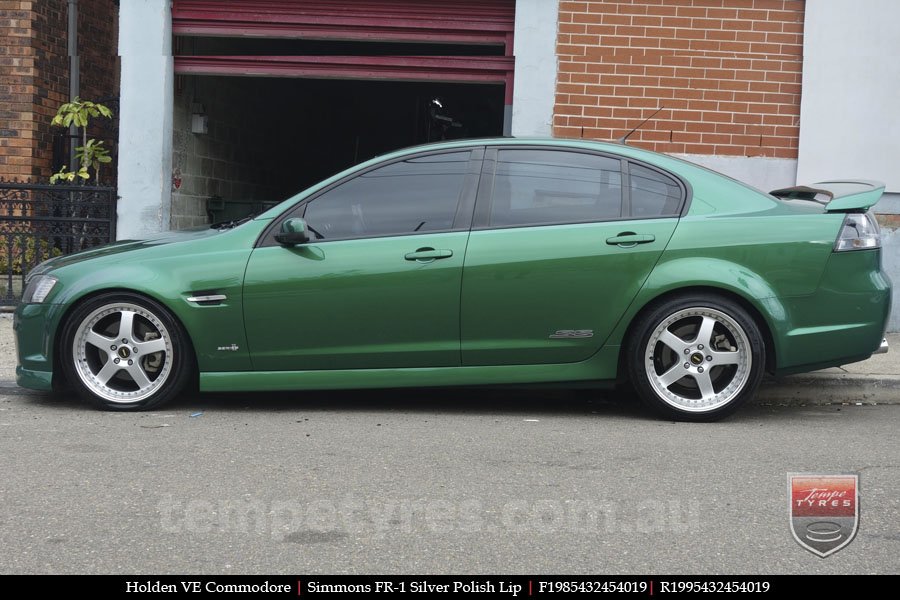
843 321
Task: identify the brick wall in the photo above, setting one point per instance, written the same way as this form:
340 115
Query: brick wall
17 89
34 76
728 73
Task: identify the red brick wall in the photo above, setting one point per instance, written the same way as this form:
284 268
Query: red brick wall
17 89
727 72
34 75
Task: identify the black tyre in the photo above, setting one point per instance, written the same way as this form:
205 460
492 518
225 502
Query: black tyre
695 358
123 351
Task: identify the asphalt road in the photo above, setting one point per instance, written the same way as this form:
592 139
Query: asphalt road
430 482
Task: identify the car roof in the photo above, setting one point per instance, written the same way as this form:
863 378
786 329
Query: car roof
611 147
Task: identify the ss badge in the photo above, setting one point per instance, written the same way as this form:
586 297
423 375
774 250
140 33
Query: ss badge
573 333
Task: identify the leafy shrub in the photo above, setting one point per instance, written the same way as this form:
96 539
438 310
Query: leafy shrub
24 253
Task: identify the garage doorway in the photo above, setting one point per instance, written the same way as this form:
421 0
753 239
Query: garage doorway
274 96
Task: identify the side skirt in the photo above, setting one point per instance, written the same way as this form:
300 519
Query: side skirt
601 366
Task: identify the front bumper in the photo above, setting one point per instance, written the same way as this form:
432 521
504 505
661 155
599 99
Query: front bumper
33 326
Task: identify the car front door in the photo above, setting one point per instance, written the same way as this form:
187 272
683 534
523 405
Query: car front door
561 243
379 285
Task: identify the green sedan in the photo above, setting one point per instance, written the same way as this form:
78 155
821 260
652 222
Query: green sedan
477 262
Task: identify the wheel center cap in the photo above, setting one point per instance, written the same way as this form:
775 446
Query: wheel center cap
123 352
696 358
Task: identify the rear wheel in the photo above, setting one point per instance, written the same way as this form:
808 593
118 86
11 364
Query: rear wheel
696 358
125 352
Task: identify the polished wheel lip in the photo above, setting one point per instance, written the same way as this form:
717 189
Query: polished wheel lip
123 347
698 370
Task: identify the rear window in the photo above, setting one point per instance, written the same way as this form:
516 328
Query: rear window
652 193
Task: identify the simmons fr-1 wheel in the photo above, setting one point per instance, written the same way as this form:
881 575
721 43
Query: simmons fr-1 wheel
696 358
124 352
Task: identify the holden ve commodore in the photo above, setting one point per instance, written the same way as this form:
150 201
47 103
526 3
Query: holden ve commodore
502 261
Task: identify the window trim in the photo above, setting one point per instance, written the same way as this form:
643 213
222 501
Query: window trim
484 199
462 219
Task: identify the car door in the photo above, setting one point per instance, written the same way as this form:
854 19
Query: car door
379 285
561 243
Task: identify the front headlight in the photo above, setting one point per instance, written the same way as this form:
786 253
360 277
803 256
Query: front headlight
38 289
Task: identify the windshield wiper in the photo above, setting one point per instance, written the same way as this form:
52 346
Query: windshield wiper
222 225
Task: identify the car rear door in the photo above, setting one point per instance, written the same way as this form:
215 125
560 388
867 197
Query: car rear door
380 285
562 241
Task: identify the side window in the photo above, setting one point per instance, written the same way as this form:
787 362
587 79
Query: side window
415 195
652 193
532 187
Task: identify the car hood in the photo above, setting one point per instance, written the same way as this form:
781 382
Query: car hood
123 246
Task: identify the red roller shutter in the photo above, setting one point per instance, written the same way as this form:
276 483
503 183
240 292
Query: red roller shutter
469 22
452 21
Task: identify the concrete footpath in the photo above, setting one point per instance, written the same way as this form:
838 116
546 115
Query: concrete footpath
873 381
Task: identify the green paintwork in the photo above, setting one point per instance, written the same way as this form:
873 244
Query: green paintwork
479 307
513 302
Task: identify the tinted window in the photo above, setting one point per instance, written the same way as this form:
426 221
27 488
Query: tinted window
652 193
415 195
548 186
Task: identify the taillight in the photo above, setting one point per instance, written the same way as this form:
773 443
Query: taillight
859 232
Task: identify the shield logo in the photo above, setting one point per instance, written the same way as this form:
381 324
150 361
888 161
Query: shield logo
824 510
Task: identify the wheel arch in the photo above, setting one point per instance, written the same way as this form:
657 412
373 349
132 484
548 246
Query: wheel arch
653 302
59 378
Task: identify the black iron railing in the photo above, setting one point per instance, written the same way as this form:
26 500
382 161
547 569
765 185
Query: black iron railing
39 221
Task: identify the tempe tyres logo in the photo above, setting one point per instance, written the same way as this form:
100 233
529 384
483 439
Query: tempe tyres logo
824 510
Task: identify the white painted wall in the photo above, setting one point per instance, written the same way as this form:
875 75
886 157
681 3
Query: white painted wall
145 118
849 125
766 174
534 89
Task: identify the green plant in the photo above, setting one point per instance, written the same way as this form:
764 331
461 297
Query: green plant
91 154
22 256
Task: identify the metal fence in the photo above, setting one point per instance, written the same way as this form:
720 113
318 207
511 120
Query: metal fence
39 221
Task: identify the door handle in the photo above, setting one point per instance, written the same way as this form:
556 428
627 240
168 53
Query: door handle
628 239
428 254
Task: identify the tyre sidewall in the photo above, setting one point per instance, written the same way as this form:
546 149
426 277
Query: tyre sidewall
182 359
648 322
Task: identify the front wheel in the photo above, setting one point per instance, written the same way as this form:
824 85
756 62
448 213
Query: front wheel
124 352
696 358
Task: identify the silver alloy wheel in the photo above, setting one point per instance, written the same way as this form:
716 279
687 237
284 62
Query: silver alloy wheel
698 359
122 352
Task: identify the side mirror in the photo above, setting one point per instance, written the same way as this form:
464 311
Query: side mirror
293 231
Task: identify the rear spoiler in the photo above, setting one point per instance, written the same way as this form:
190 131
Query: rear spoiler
837 196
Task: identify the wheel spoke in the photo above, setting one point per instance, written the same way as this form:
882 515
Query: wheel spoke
704 334
126 325
725 358
157 345
705 385
672 341
138 375
107 372
100 341
672 375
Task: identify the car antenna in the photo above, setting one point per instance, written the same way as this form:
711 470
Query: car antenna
625 137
